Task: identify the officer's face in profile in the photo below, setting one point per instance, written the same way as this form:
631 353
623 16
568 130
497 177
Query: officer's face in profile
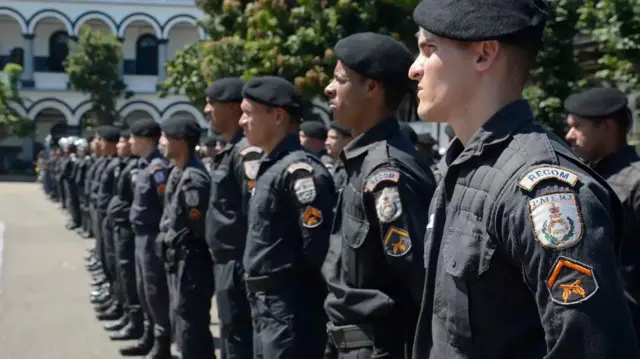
347 94
259 122
445 73
162 145
174 146
335 142
585 137
123 147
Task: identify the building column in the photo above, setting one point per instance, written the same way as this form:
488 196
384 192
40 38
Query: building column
73 44
121 64
29 60
162 58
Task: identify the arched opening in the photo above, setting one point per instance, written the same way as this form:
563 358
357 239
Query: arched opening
12 41
147 55
180 35
58 50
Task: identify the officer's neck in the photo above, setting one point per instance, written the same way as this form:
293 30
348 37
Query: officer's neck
469 116
370 121
228 135
180 159
275 141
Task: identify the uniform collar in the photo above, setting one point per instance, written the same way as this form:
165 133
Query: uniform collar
288 144
235 139
617 161
361 144
496 130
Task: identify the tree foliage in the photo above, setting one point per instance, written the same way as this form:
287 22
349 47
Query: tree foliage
93 69
11 122
586 43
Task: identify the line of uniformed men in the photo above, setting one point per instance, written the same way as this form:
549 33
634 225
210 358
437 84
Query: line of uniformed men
519 252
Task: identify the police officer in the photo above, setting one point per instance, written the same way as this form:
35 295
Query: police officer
232 179
520 246
185 248
290 215
313 135
150 184
599 121
60 164
85 149
68 179
338 136
124 241
374 268
210 152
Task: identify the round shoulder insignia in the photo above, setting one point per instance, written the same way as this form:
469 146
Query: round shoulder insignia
557 222
388 205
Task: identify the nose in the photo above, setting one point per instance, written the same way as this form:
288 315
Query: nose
415 71
242 121
570 135
329 91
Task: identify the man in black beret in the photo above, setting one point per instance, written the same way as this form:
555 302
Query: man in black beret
233 174
184 246
289 219
599 120
102 193
124 241
338 136
208 151
520 247
382 216
313 135
85 156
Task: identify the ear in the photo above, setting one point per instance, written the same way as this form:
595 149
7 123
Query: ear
485 54
372 86
280 117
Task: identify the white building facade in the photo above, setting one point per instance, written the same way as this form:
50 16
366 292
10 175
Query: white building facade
35 35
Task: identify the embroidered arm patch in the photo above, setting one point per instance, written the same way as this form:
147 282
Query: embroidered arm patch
381 176
305 190
388 205
538 174
571 282
557 222
300 166
396 242
312 217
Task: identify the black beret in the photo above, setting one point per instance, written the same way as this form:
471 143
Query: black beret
275 92
182 127
596 102
375 56
314 129
125 133
109 133
448 130
409 132
340 128
211 141
228 89
146 128
516 21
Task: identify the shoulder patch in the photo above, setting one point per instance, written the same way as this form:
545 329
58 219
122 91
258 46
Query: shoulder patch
571 282
305 190
300 166
534 176
388 205
557 222
381 176
251 169
158 176
191 198
396 242
250 149
312 217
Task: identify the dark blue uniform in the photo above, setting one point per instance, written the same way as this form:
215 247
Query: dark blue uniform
187 258
375 266
106 191
520 251
289 223
232 179
124 240
146 212
71 190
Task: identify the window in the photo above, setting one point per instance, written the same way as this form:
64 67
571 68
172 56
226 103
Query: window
58 51
147 55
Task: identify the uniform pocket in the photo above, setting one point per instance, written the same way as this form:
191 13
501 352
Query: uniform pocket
467 255
354 231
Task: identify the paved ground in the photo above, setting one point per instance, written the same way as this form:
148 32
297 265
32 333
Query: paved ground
44 306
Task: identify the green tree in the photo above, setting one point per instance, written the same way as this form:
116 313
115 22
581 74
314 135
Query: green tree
292 39
11 122
93 69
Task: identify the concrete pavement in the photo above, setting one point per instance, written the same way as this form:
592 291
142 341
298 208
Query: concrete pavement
44 291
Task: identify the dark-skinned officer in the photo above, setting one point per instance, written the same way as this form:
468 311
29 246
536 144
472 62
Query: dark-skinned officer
186 254
124 241
520 247
150 184
599 120
290 215
338 136
374 268
232 179
313 135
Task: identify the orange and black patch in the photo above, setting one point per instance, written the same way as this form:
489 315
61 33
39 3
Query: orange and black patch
194 213
396 242
571 282
312 217
162 188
